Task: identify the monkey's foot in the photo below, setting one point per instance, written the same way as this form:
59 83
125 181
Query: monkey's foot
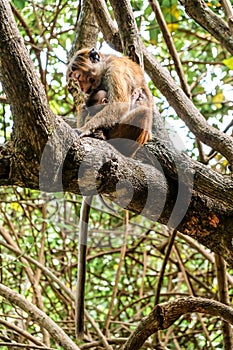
84 132
78 131
97 134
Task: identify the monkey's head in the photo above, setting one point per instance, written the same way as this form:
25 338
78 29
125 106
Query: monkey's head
82 68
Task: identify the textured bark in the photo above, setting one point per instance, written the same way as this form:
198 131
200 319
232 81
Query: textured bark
87 28
164 315
202 14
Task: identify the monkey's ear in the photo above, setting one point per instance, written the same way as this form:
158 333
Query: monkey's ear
93 55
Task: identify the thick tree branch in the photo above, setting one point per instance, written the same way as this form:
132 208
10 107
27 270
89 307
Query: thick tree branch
216 26
26 95
33 120
87 29
108 27
160 192
204 180
128 33
153 194
141 188
227 7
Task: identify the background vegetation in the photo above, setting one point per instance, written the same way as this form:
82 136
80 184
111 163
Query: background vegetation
134 266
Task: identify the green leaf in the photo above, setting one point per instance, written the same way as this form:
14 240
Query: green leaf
19 3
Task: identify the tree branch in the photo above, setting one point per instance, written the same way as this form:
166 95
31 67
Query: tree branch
160 192
186 110
87 29
108 27
164 315
128 34
170 45
39 316
227 7
215 25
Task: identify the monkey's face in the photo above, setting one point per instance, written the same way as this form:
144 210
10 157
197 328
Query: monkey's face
85 81
82 69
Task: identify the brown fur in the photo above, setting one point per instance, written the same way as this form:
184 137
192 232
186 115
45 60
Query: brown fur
128 114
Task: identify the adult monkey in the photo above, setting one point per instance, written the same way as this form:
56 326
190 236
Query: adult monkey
125 120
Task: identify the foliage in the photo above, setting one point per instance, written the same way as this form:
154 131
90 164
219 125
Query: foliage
45 227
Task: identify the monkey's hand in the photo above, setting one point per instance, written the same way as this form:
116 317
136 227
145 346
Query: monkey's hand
85 132
97 134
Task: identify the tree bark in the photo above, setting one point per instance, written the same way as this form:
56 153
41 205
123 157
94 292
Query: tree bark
215 25
164 315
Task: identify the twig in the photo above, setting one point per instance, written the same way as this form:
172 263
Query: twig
165 260
22 332
191 291
24 346
102 338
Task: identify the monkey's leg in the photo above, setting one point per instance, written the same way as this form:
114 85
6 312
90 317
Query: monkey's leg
109 116
133 131
81 276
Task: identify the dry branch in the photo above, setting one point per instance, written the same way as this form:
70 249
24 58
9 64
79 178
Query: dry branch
164 315
39 316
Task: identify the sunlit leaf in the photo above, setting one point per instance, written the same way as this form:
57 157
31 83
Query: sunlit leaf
218 99
228 62
172 27
171 13
16 206
174 11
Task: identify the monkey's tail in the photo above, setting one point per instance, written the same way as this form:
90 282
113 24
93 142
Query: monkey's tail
81 276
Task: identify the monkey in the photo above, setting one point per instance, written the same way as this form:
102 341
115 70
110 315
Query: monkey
95 103
121 78
120 112
99 98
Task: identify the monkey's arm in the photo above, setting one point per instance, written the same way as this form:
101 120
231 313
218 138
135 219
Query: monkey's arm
109 116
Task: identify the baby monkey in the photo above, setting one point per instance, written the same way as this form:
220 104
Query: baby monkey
94 104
